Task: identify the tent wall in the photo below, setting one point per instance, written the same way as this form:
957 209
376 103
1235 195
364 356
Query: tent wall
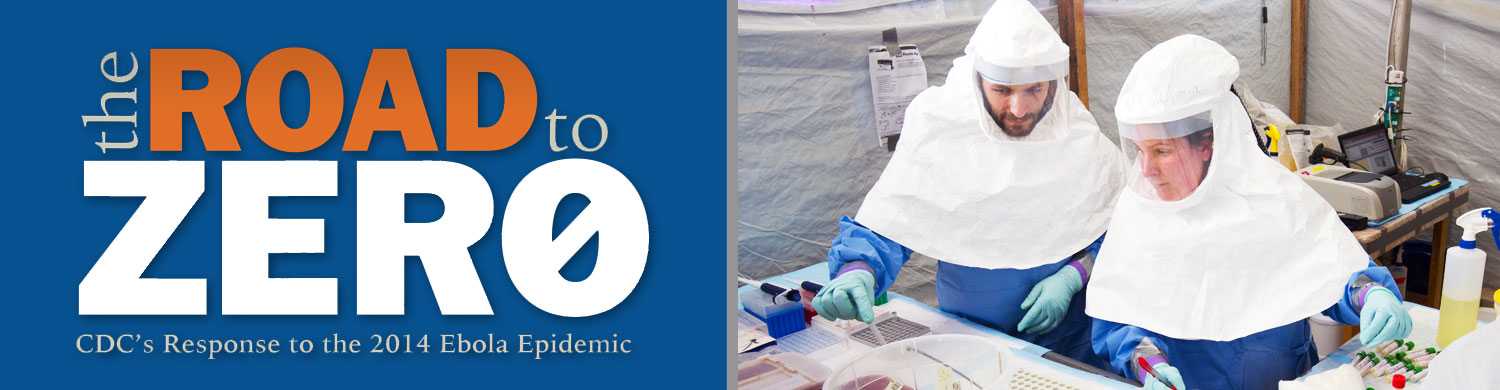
1453 87
807 151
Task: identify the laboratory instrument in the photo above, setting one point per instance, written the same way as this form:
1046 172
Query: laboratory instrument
772 289
1368 149
1353 191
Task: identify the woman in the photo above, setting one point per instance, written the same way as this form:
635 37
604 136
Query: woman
1217 255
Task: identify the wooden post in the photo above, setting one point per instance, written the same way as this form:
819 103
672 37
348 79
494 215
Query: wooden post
1298 76
1070 28
1439 262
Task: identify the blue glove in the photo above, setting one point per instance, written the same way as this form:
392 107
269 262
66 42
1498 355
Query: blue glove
1382 318
1047 303
1166 372
849 296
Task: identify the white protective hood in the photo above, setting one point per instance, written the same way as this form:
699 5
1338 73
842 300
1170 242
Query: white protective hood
960 190
1250 249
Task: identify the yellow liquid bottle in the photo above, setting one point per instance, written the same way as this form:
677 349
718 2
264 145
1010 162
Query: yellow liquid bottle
1463 278
1456 319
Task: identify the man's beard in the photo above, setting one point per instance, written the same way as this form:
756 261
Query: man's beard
1035 119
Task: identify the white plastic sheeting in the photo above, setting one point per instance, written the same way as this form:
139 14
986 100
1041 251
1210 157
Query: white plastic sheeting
807 147
1453 75
807 151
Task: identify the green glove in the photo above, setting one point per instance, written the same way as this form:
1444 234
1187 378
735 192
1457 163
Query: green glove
1382 318
1047 303
848 297
1167 373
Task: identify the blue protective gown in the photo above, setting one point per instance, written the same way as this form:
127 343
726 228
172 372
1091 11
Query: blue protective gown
989 297
1256 361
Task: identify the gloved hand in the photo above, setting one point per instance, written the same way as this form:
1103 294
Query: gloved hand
849 296
1382 318
1047 303
1166 372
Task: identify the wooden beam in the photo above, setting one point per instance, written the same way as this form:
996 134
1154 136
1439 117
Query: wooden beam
1297 79
1070 28
1439 264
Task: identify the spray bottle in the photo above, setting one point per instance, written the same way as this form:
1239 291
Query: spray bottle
1459 312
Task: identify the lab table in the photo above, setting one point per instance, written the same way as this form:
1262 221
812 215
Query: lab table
1423 333
1436 211
836 356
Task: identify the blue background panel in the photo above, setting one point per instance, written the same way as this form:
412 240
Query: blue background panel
655 73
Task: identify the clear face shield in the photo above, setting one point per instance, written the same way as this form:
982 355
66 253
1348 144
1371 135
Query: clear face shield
1168 160
1022 104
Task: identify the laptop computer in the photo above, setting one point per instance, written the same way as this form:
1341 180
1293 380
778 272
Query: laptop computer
1370 150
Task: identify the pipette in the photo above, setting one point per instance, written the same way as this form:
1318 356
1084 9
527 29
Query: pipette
874 326
774 290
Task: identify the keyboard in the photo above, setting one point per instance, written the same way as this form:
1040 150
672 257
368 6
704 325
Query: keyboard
1414 187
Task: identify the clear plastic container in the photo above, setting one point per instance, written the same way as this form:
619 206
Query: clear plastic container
947 361
788 370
